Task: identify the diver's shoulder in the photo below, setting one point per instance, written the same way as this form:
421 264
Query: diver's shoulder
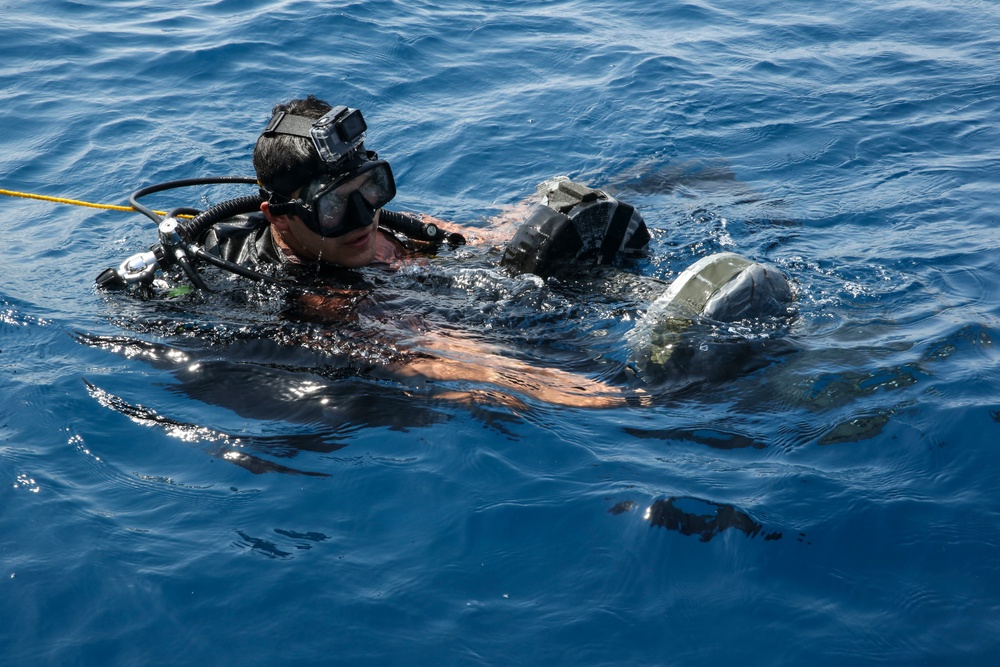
236 227
241 239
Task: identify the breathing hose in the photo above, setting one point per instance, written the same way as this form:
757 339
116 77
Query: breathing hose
201 223
177 238
170 185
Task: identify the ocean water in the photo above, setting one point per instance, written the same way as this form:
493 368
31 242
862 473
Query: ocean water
205 480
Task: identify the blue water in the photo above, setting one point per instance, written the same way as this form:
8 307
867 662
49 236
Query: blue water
199 482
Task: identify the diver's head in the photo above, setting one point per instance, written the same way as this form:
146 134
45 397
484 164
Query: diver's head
285 162
311 163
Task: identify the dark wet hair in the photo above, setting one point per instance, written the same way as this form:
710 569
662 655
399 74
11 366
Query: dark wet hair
283 162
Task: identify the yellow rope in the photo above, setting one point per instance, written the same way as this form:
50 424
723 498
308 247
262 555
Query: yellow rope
74 202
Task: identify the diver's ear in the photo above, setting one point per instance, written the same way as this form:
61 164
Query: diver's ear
280 222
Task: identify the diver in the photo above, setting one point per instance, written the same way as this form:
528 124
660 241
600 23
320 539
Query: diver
321 204
322 195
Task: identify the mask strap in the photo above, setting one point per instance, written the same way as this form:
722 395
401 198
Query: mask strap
292 207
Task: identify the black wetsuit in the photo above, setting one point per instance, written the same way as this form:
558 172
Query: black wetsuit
246 241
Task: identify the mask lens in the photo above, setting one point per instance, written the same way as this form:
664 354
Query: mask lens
373 181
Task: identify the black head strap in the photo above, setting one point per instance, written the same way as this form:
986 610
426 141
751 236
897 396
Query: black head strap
286 123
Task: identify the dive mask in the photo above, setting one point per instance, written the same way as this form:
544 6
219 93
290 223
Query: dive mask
336 204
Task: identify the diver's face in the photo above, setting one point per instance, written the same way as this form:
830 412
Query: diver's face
352 250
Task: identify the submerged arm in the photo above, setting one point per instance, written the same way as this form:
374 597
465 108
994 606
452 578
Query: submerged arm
450 357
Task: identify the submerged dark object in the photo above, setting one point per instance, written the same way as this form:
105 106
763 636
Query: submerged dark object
665 513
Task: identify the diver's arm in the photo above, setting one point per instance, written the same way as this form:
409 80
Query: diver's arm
421 227
499 230
454 357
